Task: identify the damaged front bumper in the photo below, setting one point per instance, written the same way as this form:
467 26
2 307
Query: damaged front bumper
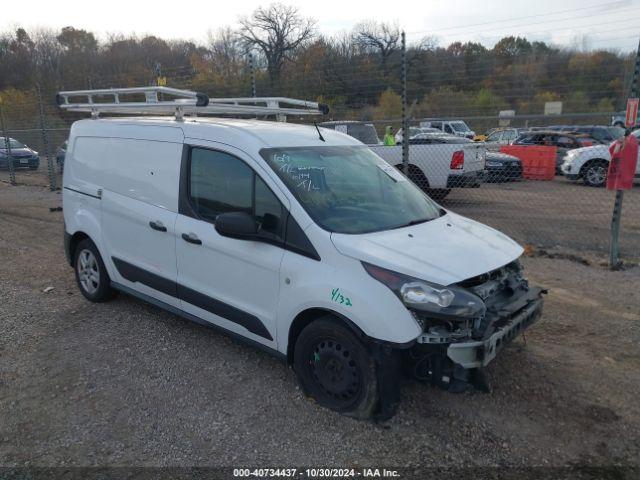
478 353
452 352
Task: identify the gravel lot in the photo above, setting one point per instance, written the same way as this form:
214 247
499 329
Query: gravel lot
557 214
124 383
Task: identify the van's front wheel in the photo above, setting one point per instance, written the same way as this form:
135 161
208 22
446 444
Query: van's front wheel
334 367
91 274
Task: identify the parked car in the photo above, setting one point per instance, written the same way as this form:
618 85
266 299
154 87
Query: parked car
22 156
60 154
600 133
504 136
413 131
434 168
591 164
431 138
307 245
500 167
561 140
452 127
559 128
365 132
618 120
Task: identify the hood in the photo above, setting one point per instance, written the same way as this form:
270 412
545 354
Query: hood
446 250
601 151
18 152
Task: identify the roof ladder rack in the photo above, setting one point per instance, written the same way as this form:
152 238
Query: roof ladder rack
181 103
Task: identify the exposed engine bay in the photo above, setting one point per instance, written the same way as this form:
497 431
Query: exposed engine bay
452 352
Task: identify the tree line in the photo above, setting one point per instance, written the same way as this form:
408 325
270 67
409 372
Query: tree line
280 52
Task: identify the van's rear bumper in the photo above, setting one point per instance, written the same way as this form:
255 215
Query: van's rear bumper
478 353
466 179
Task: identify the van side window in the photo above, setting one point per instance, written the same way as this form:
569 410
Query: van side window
220 183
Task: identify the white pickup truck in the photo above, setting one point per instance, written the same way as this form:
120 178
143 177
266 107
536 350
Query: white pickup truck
434 165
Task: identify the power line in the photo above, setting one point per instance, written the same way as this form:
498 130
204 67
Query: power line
557 12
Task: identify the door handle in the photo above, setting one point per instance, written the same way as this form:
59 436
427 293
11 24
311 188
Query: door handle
191 238
157 225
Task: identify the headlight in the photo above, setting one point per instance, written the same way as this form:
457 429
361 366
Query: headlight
437 301
418 293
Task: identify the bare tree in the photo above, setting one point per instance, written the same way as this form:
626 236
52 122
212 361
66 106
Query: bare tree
380 38
226 53
278 31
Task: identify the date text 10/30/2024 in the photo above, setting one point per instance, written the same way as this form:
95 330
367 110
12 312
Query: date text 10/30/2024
316 473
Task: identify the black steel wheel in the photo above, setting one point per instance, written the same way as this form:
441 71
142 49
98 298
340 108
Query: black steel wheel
334 367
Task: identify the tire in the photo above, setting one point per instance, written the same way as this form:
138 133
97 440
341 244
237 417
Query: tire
416 176
91 275
334 367
594 174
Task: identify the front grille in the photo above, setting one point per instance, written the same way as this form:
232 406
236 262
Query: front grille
502 291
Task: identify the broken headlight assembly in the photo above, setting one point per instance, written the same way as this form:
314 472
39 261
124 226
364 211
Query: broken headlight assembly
430 303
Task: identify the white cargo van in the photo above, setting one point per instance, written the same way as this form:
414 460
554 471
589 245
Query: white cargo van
296 239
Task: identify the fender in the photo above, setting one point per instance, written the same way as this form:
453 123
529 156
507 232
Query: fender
348 293
81 214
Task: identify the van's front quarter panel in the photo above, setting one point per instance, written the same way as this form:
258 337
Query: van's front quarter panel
340 284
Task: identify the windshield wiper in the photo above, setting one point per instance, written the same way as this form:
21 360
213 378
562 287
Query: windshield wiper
412 222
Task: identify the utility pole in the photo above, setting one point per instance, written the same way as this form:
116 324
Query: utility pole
7 148
253 75
45 141
405 113
614 246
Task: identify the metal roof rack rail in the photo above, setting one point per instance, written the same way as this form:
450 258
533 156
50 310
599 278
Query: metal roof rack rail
181 103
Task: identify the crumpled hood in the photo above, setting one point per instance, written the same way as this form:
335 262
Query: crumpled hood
446 250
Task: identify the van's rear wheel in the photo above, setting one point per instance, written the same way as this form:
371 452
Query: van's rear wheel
334 367
91 274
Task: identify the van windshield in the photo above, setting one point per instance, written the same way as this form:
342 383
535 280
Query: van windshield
349 189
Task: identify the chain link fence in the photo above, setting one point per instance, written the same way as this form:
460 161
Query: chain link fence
538 178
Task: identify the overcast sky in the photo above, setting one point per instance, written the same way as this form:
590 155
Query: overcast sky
579 23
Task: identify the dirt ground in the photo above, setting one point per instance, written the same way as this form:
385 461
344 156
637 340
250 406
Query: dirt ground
555 214
124 383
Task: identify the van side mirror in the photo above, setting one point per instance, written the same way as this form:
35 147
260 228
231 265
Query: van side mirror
269 222
236 225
